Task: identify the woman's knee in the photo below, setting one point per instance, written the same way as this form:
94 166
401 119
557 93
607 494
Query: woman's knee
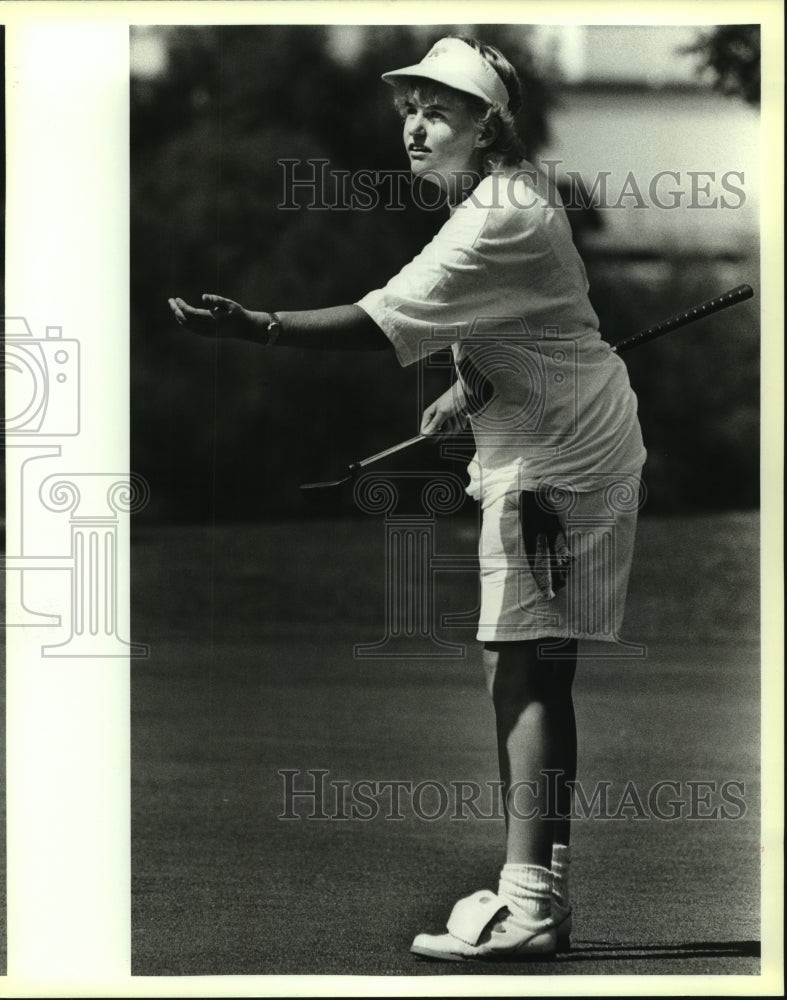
510 669
519 672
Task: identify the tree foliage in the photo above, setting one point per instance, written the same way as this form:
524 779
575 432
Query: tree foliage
207 138
730 53
226 430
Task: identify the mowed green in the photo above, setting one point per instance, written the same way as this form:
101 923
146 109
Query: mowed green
253 672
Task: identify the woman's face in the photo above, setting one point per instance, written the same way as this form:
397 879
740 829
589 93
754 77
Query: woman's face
441 137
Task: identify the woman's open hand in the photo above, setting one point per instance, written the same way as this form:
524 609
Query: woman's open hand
221 317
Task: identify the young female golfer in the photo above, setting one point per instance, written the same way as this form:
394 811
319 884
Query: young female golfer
559 452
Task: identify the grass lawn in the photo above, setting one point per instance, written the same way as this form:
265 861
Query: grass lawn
251 673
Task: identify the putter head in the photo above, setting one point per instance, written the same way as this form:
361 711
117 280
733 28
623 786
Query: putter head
312 488
329 498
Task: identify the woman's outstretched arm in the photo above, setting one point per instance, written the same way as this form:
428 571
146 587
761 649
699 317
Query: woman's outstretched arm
344 328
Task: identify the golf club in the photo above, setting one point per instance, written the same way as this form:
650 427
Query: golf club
355 466
738 294
729 298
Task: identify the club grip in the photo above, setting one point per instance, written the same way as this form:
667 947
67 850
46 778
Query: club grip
738 294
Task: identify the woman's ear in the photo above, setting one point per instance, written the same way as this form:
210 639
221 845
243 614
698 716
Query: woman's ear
488 134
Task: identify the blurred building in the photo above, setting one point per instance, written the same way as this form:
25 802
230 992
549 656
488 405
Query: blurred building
671 165
603 53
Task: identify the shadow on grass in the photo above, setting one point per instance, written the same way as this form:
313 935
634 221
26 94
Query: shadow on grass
610 952
591 951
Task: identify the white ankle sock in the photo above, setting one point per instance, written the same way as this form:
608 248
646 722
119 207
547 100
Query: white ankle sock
527 891
561 862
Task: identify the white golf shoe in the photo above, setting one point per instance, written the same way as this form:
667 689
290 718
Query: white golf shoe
481 926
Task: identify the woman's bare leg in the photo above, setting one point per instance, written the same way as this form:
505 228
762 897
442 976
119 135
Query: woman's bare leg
536 734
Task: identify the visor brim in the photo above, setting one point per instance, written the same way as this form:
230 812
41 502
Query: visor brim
448 79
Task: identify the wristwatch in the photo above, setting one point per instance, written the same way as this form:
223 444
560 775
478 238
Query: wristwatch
274 329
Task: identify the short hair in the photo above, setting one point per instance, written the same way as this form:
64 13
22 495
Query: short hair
506 150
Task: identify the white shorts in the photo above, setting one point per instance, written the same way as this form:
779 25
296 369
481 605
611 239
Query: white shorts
599 530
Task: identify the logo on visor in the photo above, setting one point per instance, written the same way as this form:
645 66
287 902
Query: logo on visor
437 50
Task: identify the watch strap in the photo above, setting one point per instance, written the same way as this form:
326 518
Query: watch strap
274 329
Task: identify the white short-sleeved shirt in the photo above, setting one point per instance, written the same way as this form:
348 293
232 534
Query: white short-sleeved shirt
503 285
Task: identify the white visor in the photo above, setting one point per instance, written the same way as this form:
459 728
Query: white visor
456 64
